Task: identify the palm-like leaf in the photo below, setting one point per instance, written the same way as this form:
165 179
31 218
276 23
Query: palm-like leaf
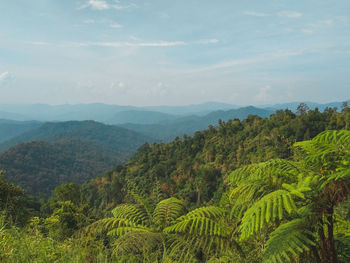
138 242
204 229
272 170
269 208
287 242
167 211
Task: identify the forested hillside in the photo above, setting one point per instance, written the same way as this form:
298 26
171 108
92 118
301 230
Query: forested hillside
228 194
193 168
56 153
38 167
113 139
10 129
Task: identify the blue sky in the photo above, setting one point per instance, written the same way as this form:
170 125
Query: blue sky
159 52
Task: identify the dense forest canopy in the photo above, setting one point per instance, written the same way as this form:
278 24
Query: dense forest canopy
227 194
193 168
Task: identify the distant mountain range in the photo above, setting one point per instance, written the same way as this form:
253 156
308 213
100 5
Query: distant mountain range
169 129
116 114
41 155
151 126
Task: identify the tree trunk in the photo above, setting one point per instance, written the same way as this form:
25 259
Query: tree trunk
328 252
330 240
198 196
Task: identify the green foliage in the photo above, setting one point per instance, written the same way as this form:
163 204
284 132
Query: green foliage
251 197
56 153
39 167
65 220
193 168
314 185
15 206
167 211
269 208
288 241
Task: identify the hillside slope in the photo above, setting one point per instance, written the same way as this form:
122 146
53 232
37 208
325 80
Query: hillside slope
111 138
38 167
193 168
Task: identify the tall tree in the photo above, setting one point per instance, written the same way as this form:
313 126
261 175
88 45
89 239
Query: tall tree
302 109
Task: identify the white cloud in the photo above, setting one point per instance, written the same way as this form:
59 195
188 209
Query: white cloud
5 79
89 21
119 6
96 5
4 76
289 14
135 42
323 23
104 5
279 54
116 26
257 14
306 31
207 41
140 44
38 43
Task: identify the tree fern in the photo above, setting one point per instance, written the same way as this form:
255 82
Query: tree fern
167 211
138 242
317 183
273 169
208 212
326 148
205 229
269 208
287 242
131 212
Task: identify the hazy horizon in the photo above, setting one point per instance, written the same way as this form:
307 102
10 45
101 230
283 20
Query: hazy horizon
182 105
157 53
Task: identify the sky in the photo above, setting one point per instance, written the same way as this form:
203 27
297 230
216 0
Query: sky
162 52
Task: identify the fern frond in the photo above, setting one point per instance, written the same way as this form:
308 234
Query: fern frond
198 226
267 209
244 195
119 231
180 250
212 212
339 137
287 242
118 222
324 147
142 201
132 213
138 242
167 211
343 174
205 229
273 169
